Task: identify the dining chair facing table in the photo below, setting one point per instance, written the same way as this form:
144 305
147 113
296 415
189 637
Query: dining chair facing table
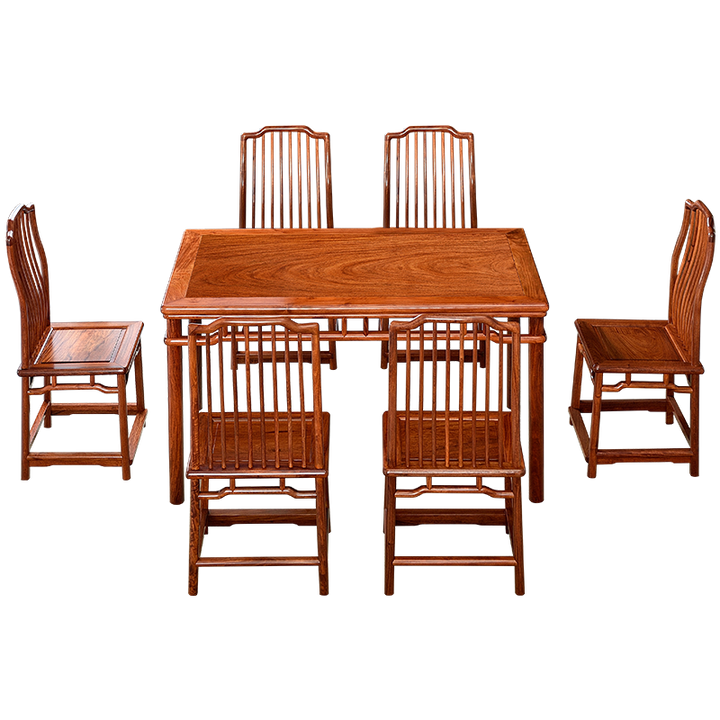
285 178
429 178
262 429
445 420
428 182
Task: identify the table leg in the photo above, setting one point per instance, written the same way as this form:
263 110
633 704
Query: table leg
175 414
537 414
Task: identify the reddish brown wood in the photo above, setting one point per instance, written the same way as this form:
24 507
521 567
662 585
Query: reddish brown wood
350 274
262 422
450 186
448 420
416 155
53 350
650 347
354 273
299 166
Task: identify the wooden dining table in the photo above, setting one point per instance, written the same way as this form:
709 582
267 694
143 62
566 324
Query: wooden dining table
350 277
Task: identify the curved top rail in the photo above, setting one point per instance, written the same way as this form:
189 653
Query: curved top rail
310 327
263 128
12 220
408 128
703 208
508 326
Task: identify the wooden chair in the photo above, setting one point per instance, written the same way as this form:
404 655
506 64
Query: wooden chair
286 170
428 182
263 426
434 169
446 419
650 347
51 350
286 179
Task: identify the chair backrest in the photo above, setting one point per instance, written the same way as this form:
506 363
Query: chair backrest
691 262
265 411
429 178
445 409
30 273
285 178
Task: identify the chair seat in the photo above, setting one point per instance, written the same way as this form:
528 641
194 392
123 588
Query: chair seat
255 436
633 346
86 348
486 444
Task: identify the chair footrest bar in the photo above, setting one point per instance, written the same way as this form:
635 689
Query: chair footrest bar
406 516
225 518
90 408
455 560
45 459
255 561
676 455
651 405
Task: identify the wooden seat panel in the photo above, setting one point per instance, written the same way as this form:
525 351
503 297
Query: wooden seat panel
642 346
264 441
87 348
454 449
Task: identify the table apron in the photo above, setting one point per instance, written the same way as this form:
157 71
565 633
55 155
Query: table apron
372 335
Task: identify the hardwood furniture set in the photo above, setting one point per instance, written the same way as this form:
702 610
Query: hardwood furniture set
453 305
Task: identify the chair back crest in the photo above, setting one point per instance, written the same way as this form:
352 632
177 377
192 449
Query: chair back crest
691 264
429 178
28 267
285 178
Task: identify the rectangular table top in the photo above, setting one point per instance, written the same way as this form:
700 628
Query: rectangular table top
377 272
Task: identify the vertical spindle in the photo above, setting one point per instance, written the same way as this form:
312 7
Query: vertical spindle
208 390
221 387
488 362
408 366
448 363
461 378
248 394
500 423
288 392
273 337
421 395
236 413
301 384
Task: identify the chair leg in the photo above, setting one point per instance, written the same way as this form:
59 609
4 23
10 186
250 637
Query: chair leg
124 438
595 425
194 536
25 431
333 325
322 533
49 420
390 502
383 346
695 425
576 378
517 539
508 508
139 385
668 415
